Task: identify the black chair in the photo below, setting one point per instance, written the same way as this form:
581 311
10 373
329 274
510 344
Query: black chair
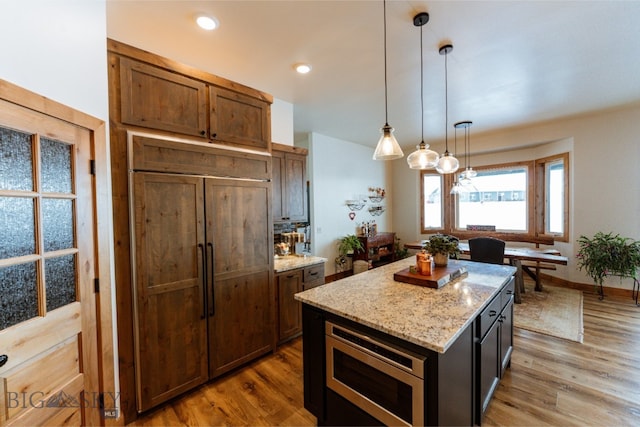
487 249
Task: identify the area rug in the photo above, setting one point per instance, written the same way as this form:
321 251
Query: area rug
554 311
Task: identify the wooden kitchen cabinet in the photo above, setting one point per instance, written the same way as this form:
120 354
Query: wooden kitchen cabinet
379 249
239 119
197 288
152 97
174 283
289 171
288 283
156 93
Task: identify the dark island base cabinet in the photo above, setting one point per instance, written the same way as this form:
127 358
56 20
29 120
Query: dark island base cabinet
448 385
458 384
494 334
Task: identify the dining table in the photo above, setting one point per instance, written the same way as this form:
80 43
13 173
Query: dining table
535 259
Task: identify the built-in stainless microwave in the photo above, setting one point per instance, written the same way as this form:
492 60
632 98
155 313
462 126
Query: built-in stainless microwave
385 381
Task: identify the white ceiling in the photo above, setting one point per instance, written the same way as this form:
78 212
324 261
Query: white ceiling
513 62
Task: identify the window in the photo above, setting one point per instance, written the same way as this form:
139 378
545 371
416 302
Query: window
496 198
431 188
530 199
553 179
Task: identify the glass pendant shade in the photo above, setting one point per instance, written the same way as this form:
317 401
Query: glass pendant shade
422 158
387 148
466 175
447 164
456 189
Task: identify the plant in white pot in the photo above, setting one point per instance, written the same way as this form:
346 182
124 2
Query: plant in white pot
442 247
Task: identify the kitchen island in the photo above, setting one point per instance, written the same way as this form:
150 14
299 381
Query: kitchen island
377 351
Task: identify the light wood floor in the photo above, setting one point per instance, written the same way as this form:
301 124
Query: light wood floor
551 381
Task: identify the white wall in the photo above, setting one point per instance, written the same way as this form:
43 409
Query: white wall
605 178
339 171
57 49
282 122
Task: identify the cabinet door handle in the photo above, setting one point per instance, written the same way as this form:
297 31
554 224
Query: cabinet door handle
509 292
492 313
313 274
212 309
3 359
204 281
290 276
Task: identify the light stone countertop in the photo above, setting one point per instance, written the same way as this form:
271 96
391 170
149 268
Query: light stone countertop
291 262
430 318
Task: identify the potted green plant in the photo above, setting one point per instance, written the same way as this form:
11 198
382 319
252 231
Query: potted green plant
442 247
349 244
608 254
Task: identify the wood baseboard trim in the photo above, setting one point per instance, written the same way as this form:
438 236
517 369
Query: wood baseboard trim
585 287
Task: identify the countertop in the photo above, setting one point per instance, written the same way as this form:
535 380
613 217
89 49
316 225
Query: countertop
430 318
291 262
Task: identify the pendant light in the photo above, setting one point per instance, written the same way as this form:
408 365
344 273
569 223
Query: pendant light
422 158
387 148
468 173
447 163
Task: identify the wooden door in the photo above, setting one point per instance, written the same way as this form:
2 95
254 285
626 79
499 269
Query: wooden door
171 340
48 337
239 119
241 326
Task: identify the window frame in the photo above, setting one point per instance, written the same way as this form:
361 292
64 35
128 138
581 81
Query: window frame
536 207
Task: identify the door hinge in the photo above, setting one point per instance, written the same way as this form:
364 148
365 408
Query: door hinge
92 167
96 285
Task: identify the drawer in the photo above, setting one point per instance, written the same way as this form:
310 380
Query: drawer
507 293
313 272
488 316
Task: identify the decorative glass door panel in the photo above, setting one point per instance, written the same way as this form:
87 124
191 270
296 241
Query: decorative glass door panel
47 268
37 241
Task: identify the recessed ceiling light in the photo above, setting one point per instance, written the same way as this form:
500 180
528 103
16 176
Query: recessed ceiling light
207 22
302 68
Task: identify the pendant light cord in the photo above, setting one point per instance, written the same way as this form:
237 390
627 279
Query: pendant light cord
446 105
421 88
386 113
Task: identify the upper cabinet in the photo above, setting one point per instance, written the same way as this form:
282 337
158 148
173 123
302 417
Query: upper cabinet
156 93
238 119
154 98
289 172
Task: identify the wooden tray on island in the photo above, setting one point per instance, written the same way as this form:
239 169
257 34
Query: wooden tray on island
439 277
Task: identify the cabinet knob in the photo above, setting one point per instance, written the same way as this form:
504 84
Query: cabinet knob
203 132
3 359
213 134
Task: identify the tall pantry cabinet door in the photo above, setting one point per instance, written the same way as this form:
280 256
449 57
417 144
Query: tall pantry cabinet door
171 340
241 322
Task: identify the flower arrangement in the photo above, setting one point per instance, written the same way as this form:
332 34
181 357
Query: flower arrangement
608 254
